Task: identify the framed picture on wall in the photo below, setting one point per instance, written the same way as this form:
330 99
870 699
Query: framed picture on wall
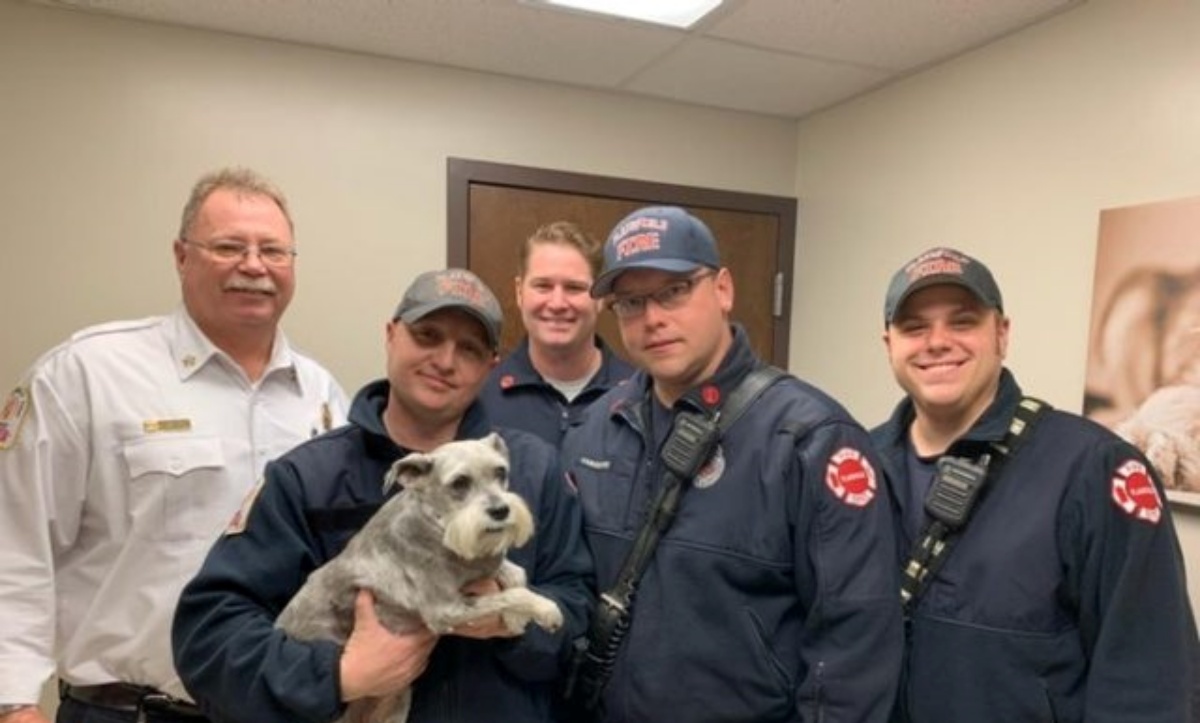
1143 366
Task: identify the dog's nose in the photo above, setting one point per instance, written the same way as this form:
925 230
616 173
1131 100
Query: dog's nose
499 513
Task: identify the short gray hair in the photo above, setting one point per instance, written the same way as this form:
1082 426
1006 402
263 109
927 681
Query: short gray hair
242 181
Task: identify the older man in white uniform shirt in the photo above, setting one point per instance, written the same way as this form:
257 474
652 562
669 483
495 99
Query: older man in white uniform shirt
127 449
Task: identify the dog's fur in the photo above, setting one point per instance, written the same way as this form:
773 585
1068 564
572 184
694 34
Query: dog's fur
452 524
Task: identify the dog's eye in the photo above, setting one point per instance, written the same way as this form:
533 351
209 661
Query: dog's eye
500 474
461 483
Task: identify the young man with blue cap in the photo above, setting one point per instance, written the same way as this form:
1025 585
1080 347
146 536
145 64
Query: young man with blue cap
772 594
1055 590
441 343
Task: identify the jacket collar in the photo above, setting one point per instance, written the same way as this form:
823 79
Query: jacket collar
366 412
631 399
518 371
991 426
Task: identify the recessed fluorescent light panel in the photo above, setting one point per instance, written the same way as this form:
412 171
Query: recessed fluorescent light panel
676 13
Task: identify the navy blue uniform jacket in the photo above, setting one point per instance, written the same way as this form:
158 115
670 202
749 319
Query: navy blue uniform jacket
239 667
774 595
516 396
1064 600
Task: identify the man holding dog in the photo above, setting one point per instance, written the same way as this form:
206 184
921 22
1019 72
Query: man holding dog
441 343
772 595
126 447
1059 594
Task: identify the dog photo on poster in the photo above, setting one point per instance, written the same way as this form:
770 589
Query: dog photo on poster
1143 367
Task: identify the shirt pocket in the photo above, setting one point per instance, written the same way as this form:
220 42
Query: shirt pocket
179 489
606 492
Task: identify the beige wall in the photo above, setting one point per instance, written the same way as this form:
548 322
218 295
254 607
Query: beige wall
105 123
1010 153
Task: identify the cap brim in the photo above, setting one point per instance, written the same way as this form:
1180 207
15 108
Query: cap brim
415 314
604 283
934 280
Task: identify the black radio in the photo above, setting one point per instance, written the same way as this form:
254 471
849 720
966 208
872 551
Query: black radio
955 490
689 444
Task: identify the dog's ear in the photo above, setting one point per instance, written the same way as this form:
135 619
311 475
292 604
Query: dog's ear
407 470
497 443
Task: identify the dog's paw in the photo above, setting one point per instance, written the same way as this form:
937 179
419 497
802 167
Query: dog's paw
515 621
511 575
549 616
526 606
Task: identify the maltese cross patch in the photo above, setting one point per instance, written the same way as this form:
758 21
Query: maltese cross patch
1134 492
850 476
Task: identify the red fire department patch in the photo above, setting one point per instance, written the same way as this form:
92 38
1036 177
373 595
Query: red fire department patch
851 477
1134 492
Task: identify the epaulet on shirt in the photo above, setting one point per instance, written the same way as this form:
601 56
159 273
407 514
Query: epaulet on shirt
14 408
92 332
115 327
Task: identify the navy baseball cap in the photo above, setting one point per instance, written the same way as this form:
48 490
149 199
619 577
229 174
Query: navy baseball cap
666 238
941 266
452 289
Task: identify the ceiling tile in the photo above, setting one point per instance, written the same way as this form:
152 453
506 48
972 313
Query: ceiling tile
898 36
727 75
781 57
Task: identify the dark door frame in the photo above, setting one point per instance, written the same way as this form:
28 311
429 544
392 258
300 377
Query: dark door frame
461 173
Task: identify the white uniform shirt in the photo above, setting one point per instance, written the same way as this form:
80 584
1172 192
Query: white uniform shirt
139 441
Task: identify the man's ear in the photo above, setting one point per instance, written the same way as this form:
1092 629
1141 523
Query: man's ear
725 291
179 252
1002 327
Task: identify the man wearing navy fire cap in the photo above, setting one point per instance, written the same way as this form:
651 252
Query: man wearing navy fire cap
772 595
1061 597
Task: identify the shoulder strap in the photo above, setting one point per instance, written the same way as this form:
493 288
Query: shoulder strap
687 448
1029 410
953 497
749 389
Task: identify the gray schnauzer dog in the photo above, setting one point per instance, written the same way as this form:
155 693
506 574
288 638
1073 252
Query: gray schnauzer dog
452 523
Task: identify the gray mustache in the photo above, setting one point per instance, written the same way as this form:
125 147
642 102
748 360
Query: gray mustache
262 285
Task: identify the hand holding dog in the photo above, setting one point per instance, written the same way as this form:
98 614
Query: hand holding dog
486 626
376 661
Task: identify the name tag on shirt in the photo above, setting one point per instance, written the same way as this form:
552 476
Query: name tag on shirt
153 426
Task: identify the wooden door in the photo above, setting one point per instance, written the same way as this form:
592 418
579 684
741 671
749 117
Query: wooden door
492 208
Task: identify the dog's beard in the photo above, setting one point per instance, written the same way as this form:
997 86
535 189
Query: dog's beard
471 533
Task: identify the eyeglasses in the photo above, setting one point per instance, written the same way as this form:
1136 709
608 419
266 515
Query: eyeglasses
671 296
229 251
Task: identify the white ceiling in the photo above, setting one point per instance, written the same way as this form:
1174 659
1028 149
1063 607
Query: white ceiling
784 58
